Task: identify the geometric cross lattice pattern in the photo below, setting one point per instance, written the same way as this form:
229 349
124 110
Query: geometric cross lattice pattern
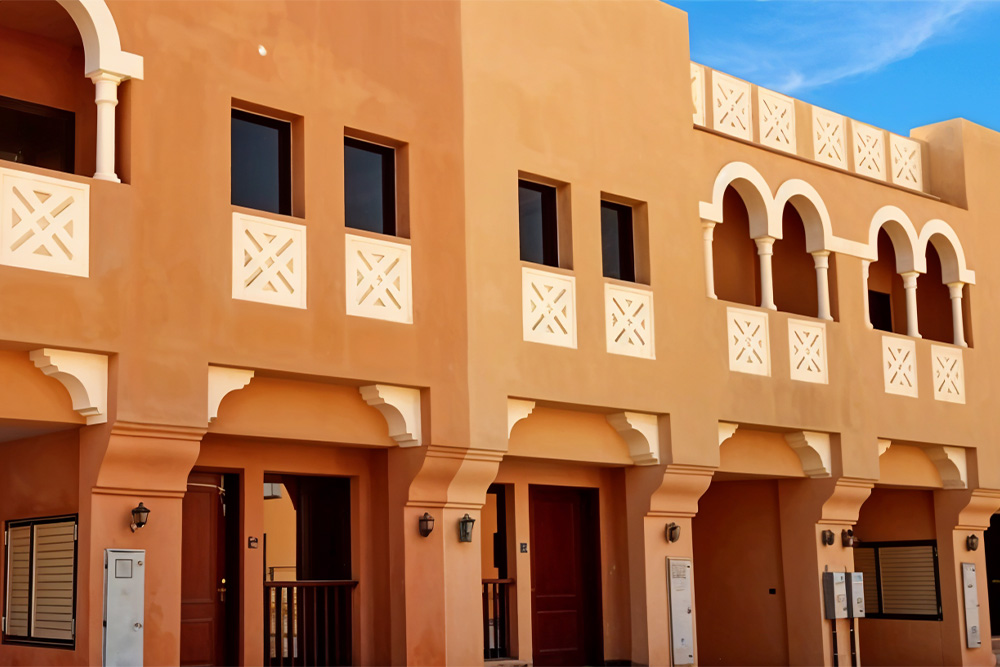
899 366
698 94
269 261
749 345
949 374
807 351
548 307
378 279
776 117
731 111
828 138
44 223
869 150
629 321
907 167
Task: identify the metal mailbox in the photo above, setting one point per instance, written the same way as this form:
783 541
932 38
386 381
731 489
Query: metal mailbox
124 593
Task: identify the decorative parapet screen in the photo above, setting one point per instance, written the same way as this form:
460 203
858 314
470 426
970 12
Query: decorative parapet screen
869 150
749 344
828 138
698 94
548 307
776 120
907 167
379 279
949 374
269 261
899 366
807 351
731 111
44 223
628 316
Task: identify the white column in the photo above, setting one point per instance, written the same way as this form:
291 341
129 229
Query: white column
765 248
106 96
865 264
707 232
910 286
957 320
821 258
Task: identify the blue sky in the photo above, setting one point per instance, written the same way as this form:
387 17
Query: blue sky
895 64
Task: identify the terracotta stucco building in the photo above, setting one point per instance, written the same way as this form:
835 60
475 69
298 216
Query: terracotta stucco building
440 332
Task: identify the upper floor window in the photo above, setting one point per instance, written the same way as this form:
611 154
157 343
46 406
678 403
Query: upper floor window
617 241
40 578
369 187
261 162
37 135
539 227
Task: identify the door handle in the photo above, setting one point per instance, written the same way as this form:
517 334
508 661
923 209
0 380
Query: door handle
222 591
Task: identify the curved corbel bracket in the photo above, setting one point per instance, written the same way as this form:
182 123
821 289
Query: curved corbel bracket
883 446
85 376
641 432
726 431
951 464
400 406
221 381
813 449
517 409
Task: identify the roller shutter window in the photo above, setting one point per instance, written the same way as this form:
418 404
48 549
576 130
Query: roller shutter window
41 581
901 580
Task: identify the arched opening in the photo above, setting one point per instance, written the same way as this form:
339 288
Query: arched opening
886 297
934 301
734 253
794 268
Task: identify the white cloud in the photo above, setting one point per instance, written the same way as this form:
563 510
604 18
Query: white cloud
796 46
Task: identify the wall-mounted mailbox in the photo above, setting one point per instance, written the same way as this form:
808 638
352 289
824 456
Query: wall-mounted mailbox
971 591
855 595
681 617
124 593
834 595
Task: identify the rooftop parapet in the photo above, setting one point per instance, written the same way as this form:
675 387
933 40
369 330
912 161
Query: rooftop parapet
725 104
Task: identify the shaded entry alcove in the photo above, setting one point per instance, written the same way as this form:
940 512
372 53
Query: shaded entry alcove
308 587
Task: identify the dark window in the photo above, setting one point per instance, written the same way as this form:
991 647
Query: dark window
539 229
901 579
617 245
880 310
261 163
369 187
40 582
37 135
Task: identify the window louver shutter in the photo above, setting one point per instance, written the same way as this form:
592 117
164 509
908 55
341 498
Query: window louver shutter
908 580
52 596
18 578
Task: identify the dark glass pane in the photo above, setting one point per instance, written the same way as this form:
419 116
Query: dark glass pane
617 245
369 187
261 163
37 135
880 310
538 226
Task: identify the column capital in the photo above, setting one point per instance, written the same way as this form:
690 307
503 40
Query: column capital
909 279
955 289
765 245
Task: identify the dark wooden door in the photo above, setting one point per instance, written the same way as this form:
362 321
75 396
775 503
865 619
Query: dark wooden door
992 546
566 624
203 618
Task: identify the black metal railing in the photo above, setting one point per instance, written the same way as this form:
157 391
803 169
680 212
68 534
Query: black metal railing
496 618
308 622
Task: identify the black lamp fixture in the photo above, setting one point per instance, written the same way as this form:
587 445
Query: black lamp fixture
847 537
426 524
827 537
140 514
673 532
465 528
972 542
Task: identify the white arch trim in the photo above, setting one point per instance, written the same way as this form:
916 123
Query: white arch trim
949 249
102 46
756 196
812 210
904 238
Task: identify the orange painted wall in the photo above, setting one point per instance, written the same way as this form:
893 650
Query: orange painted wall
737 268
280 530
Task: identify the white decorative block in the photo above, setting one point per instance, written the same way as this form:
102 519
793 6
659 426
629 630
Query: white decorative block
949 374
269 261
731 111
628 314
907 166
698 94
548 307
807 351
899 366
828 138
776 117
869 150
44 223
749 345
379 279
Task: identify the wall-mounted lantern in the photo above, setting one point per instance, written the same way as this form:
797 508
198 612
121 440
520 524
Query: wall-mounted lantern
426 524
673 532
140 515
827 538
847 537
465 528
972 542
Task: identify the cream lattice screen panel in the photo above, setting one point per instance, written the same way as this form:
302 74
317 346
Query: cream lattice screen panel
379 279
628 316
548 307
269 261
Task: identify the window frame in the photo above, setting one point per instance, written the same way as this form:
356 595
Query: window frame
43 111
389 182
286 204
626 252
551 251
871 308
878 580
67 644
